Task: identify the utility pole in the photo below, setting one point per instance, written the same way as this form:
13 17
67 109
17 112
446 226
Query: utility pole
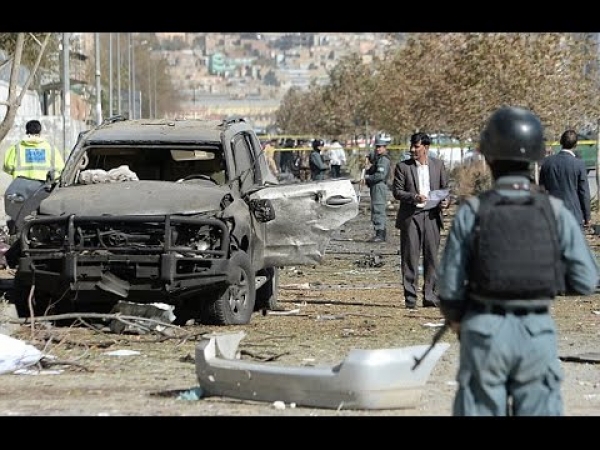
66 103
98 84
598 165
119 73
133 93
154 115
130 93
149 78
110 75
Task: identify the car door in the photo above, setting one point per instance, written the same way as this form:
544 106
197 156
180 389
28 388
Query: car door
306 215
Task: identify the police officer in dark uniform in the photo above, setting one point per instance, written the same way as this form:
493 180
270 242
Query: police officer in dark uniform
376 178
501 268
318 167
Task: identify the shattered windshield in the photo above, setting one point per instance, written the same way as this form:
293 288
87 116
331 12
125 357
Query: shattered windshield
109 164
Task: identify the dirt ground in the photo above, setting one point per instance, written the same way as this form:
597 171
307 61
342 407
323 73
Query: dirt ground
352 300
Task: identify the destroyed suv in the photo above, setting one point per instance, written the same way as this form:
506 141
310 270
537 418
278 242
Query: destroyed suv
182 212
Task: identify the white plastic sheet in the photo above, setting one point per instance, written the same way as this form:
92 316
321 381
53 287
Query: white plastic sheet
16 354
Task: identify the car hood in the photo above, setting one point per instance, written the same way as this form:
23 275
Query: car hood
133 197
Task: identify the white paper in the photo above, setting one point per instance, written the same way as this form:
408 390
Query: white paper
435 197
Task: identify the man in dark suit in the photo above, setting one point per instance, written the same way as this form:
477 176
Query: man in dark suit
564 176
418 220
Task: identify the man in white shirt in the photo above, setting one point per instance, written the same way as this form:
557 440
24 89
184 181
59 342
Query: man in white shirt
337 158
418 220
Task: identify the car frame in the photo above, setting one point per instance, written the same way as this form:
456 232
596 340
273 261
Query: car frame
136 216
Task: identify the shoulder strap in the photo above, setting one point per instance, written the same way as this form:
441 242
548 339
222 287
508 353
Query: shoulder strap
475 201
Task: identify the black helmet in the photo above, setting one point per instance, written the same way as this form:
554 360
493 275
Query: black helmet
513 134
317 143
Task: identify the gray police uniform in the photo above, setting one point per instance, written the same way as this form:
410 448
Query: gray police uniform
376 178
509 349
317 165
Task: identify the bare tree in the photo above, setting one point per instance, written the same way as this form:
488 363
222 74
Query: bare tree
15 95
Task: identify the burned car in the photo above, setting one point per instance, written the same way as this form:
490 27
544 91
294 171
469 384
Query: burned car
184 212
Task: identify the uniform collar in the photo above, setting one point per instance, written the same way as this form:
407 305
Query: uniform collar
513 182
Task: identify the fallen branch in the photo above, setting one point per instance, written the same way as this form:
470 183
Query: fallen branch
46 362
80 316
387 316
74 343
337 302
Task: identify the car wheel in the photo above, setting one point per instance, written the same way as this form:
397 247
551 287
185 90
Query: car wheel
267 295
234 304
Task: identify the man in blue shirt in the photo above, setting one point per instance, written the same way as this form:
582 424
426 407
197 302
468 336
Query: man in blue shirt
498 276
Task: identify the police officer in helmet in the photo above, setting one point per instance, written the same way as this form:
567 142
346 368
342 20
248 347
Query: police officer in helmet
376 178
317 164
499 272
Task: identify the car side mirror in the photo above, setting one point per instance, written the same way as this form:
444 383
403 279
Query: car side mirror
262 209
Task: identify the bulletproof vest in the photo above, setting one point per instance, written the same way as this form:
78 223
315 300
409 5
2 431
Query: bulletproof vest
516 253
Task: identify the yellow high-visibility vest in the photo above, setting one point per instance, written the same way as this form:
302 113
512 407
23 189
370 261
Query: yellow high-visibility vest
32 159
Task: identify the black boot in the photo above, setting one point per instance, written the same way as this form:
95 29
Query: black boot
379 236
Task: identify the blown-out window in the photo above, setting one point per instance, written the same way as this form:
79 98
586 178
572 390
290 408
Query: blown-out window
244 160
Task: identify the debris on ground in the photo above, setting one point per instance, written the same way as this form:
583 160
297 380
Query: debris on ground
123 353
160 312
192 394
365 379
16 354
288 312
370 260
433 325
589 357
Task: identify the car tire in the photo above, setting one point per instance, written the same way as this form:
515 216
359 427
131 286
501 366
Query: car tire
268 294
233 304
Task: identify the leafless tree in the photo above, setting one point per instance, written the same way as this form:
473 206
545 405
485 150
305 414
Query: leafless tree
19 45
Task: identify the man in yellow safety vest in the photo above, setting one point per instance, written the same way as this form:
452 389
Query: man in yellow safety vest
33 156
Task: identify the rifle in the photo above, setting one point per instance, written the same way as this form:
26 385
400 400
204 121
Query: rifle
363 172
436 337
361 183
